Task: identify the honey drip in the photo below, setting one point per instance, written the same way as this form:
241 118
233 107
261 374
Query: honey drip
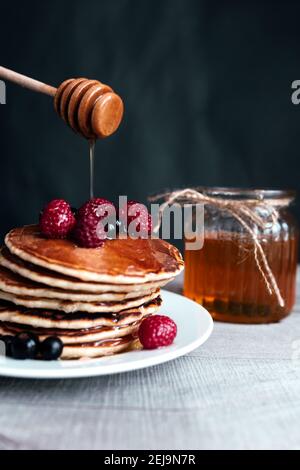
92 167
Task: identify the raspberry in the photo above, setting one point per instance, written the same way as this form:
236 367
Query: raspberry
89 231
57 219
91 206
157 331
144 227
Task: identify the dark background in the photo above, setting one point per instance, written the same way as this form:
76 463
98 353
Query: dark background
206 85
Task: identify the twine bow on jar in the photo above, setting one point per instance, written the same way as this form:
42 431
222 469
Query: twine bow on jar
244 211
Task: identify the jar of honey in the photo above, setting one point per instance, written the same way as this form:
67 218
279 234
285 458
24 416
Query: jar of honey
246 270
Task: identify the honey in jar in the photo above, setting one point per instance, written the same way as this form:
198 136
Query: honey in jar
224 275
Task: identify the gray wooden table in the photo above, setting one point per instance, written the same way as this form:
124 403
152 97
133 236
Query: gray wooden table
240 390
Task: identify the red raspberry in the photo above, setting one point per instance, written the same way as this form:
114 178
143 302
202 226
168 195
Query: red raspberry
91 206
57 219
89 232
144 227
157 331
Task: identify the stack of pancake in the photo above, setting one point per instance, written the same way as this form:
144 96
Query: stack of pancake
92 299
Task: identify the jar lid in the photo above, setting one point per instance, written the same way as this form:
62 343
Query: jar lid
248 193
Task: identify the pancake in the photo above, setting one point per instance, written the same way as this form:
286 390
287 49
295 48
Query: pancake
56 280
50 319
13 283
68 306
89 349
99 348
71 336
94 300
125 261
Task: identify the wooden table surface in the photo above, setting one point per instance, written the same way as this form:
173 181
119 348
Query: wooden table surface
240 390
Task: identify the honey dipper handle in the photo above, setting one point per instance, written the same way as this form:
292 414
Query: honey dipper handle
26 82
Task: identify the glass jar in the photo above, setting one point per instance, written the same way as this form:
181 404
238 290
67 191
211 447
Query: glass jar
224 276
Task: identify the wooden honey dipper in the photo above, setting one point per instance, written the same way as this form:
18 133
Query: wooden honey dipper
89 107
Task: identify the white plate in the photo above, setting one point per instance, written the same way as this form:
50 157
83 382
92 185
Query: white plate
194 326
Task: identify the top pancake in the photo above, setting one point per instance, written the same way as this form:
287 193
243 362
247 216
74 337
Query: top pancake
125 261
49 278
